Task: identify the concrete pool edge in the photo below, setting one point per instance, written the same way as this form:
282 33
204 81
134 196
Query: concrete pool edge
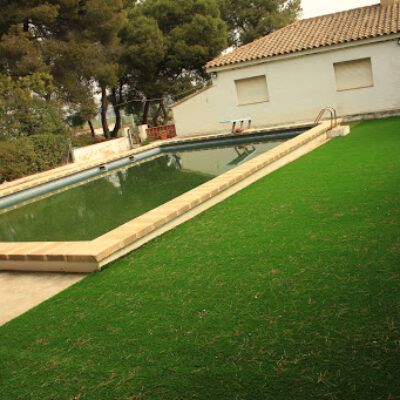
88 256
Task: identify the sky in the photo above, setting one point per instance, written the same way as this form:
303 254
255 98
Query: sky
313 8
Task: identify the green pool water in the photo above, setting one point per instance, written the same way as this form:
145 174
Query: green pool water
91 209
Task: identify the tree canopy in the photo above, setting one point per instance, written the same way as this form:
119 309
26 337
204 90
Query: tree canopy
23 109
167 42
72 40
250 19
135 52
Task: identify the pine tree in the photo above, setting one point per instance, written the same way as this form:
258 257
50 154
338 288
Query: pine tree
77 41
250 19
167 41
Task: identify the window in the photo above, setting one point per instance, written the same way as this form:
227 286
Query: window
252 90
353 74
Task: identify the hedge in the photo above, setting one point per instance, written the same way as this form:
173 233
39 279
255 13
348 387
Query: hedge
84 139
28 155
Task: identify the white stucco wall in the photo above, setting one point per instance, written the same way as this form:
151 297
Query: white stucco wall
298 88
100 151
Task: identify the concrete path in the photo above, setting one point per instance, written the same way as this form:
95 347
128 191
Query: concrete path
21 291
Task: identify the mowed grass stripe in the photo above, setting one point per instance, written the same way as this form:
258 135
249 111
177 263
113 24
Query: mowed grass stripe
287 290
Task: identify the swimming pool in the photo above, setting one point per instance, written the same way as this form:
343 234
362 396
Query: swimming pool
203 178
92 207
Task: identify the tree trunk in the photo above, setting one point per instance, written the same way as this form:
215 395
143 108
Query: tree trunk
157 114
104 107
117 112
91 128
146 112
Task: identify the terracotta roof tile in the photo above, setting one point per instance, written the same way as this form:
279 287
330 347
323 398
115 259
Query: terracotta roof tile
313 33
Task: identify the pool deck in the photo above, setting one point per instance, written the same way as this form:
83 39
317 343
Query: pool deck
20 291
88 256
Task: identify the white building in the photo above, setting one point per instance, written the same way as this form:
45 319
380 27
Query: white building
348 60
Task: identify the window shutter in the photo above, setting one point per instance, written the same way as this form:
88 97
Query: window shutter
353 74
252 90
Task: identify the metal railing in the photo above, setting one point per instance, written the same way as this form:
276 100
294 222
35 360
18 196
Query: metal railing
333 114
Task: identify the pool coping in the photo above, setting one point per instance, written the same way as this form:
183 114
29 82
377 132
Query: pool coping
88 256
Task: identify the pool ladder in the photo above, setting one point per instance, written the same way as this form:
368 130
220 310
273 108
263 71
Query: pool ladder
333 114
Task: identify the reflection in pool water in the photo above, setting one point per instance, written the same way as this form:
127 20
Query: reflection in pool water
243 154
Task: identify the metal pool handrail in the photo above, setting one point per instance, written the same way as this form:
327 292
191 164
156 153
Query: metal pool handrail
333 113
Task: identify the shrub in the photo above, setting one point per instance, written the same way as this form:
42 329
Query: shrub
50 151
84 139
15 159
25 156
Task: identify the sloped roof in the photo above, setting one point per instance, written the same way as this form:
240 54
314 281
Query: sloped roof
313 33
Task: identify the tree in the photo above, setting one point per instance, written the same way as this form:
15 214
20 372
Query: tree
167 41
104 19
76 40
23 109
250 19
19 56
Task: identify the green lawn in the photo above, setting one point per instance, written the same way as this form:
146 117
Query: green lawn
288 290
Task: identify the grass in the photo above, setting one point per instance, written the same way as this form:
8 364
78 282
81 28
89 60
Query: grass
287 290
